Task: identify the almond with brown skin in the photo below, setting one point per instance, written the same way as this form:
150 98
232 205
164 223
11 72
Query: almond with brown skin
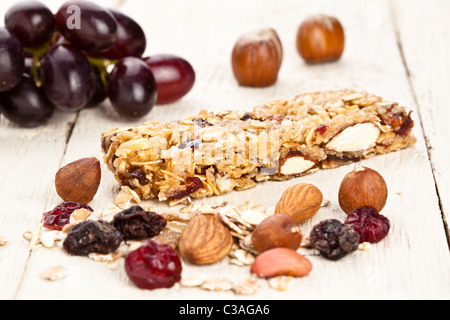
279 262
79 181
301 202
205 240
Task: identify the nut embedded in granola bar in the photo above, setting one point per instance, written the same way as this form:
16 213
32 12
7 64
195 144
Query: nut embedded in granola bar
361 136
280 140
295 163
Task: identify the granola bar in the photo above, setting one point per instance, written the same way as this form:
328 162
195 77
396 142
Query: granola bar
215 153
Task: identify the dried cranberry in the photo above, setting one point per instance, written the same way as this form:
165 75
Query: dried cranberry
136 224
333 239
92 237
60 216
322 129
406 127
370 225
401 123
153 266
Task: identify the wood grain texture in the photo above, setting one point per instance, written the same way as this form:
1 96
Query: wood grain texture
412 263
426 54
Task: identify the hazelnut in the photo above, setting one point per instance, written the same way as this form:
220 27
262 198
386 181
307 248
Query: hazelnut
320 38
301 202
363 187
79 180
257 58
277 231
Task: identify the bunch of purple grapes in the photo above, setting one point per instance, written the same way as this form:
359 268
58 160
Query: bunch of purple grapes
79 57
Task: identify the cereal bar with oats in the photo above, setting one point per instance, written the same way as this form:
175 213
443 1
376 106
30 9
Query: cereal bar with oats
215 153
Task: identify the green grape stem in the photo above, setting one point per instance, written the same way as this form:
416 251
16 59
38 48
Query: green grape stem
103 66
38 54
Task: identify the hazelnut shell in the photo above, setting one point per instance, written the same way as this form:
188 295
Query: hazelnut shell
363 187
320 38
277 231
257 58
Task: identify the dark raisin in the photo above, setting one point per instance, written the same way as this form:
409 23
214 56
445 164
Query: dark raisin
333 239
129 179
370 225
246 116
92 237
336 161
406 127
199 122
192 184
137 224
401 122
60 216
153 266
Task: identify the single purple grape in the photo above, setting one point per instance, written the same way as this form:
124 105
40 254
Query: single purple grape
31 22
26 105
67 78
132 88
88 26
12 60
174 77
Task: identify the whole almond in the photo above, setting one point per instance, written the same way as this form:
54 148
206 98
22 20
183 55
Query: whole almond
281 262
205 240
301 202
79 181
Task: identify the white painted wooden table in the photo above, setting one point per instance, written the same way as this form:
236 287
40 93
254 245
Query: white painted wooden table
397 49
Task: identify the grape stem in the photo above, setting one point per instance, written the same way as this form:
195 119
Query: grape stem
38 54
104 66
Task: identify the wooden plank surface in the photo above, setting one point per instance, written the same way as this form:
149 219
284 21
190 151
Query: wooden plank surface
427 60
412 263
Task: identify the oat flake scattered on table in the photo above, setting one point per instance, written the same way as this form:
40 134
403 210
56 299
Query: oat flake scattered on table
54 273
